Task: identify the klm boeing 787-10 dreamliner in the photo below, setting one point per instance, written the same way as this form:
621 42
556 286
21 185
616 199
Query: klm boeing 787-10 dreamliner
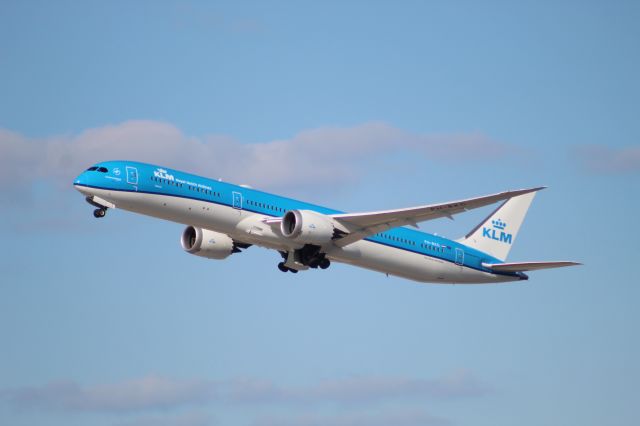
223 219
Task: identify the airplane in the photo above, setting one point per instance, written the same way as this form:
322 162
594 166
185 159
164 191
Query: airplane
222 219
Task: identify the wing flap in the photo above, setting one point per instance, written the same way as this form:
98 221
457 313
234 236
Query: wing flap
527 266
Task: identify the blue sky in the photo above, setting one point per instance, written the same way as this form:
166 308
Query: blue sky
355 105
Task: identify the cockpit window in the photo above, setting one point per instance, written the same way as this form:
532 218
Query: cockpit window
91 169
102 169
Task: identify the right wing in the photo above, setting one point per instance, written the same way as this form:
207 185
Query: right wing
361 225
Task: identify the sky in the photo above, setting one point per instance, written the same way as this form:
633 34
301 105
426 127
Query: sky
356 105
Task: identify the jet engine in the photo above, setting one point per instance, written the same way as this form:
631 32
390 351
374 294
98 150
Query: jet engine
309 227
206 243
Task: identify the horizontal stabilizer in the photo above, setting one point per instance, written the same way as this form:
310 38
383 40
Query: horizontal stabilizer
526 266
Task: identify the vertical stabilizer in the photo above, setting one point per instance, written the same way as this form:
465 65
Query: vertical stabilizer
497 233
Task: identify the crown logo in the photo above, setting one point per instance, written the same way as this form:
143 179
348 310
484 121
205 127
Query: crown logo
498 224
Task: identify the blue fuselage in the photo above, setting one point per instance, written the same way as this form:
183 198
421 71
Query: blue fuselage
141 178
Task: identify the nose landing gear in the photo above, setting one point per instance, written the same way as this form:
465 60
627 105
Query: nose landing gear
101 210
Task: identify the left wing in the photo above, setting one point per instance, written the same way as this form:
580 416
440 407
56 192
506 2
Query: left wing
361 225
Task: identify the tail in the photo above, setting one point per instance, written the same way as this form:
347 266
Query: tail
497 233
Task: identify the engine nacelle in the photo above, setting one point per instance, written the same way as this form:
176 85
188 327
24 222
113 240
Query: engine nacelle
306 226
205 243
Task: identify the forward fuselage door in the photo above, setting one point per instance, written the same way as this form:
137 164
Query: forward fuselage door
132 177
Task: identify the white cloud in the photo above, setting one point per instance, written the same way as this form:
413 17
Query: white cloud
361 389
147 393
182 419
395 418
311 159
153 393
604 159
458 385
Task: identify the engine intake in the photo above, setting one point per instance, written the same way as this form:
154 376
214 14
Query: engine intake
206 243
307 227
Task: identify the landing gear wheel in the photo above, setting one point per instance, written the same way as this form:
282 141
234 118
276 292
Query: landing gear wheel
98 213
282 267
295 271
325 263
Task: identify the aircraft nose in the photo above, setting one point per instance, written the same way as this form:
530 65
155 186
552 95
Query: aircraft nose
81 182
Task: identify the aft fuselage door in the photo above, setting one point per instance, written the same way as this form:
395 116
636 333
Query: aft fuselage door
459 257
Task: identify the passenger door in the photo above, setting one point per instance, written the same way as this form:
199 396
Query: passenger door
237 200
459 257
132 177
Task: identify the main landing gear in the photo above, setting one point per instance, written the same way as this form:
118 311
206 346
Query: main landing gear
307 257
286 269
